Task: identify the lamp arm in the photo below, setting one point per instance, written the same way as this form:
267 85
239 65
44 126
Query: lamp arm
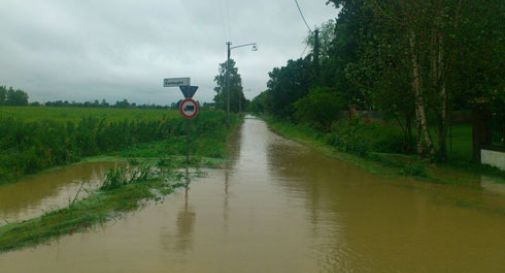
244 45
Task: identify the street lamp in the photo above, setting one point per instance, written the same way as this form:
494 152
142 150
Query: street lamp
254 47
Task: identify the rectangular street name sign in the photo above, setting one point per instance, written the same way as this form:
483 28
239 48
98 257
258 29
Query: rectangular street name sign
176 82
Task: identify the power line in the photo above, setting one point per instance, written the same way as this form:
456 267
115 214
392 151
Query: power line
303 17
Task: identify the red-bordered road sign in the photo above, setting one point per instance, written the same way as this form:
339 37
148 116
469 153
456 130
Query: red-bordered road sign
188 108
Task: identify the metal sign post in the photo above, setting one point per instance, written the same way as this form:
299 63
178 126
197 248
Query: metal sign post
188 108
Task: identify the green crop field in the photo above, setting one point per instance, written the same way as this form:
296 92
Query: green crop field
35 138
75 114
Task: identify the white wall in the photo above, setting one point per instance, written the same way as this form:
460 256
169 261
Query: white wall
493 158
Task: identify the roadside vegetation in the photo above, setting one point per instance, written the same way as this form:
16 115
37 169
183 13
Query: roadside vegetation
412 86
36 138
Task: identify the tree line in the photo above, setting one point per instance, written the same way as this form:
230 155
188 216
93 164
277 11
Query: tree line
104 104
17 97
415 62
13 97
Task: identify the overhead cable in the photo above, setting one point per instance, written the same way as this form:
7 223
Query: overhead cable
303 16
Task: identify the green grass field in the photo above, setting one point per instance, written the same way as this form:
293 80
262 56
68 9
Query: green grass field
74 114
459 142
36 138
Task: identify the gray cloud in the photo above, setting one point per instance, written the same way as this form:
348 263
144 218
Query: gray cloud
83 50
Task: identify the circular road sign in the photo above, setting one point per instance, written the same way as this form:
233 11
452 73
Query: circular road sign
188 108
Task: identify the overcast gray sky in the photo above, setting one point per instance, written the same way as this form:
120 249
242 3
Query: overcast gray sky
114 49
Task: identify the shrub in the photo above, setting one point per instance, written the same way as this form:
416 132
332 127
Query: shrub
320 108
359 137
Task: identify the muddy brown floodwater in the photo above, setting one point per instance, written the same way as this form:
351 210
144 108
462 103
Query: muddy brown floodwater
32 196
282 207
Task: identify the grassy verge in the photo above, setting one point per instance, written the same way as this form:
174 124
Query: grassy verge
124 189
455 172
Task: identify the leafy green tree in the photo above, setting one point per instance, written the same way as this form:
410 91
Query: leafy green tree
325 39
320 108
238 102
287 85
260 104
16 97
447 50
352 34
374 65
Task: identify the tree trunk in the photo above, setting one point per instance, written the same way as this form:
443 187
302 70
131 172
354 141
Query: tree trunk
442 130
424 143
440 83
408 121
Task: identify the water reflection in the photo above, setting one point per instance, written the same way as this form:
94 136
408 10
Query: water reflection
185 225
234 150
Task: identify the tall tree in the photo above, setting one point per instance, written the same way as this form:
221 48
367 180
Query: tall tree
237 99
425 38
260 104
287 85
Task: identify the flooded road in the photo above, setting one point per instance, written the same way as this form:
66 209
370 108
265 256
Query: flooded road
282 207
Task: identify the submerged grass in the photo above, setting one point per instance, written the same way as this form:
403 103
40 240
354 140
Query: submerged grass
107 203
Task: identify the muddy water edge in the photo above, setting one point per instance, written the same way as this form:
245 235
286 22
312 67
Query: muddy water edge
33 195
281 207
